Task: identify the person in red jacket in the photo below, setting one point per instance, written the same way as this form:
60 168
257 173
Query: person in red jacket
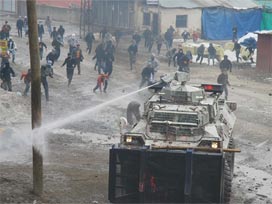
102 80
27 80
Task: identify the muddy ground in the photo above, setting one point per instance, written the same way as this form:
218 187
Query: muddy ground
76 154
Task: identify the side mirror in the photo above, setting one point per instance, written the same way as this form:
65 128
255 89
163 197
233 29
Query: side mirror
232 105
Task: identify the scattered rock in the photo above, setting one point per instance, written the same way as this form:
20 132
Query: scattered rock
264 179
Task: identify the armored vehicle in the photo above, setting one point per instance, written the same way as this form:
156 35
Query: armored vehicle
180 151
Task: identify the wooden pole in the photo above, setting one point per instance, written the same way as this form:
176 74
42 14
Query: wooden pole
35 94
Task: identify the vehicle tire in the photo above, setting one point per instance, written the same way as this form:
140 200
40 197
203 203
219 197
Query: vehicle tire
230 156
227 183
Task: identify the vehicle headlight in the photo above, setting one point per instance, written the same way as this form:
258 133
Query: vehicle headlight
133 140
209 144
214 145
128 139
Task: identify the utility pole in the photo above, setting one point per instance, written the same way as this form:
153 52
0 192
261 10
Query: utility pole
35 94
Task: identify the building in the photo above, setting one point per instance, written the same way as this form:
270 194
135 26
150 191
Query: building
214 19
208 17
8 6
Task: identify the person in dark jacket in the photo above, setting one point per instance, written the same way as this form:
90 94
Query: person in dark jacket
5 74
147 74
57 43
40 30
12 48
178 56
70 66
137 38
237 49
20 25
185 35
225 64
100 57
223 79
5 30
109 57
147 35
51 57
42 45
169 36
159 42
170 54
200 53
132 51
54 33
78 57
251 53
46 70
89 40
184 64
61 31
212 53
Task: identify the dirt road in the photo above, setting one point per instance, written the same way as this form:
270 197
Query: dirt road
76 154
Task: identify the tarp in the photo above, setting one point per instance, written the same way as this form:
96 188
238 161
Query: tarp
217 23
249 42
266 21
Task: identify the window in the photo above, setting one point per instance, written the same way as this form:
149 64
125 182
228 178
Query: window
181 21
146 19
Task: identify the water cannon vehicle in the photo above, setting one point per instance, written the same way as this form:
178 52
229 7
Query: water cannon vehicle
180 151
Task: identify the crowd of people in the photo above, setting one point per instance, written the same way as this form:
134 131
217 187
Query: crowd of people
104 54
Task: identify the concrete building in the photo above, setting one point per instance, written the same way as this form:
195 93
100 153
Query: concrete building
186 14
8 6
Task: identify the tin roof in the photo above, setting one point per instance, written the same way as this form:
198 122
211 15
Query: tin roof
190 4
60 3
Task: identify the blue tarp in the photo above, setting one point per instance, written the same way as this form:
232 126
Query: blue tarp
249 42
217 23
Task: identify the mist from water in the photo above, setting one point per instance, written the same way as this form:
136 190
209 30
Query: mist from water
19 142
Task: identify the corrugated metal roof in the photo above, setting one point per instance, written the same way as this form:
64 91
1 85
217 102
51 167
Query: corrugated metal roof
190 4
60 3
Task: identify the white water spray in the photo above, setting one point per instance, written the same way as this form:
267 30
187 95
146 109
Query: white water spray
63 121
25 137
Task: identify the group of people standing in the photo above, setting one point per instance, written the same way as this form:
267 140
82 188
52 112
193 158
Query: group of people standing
211 53
104 54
